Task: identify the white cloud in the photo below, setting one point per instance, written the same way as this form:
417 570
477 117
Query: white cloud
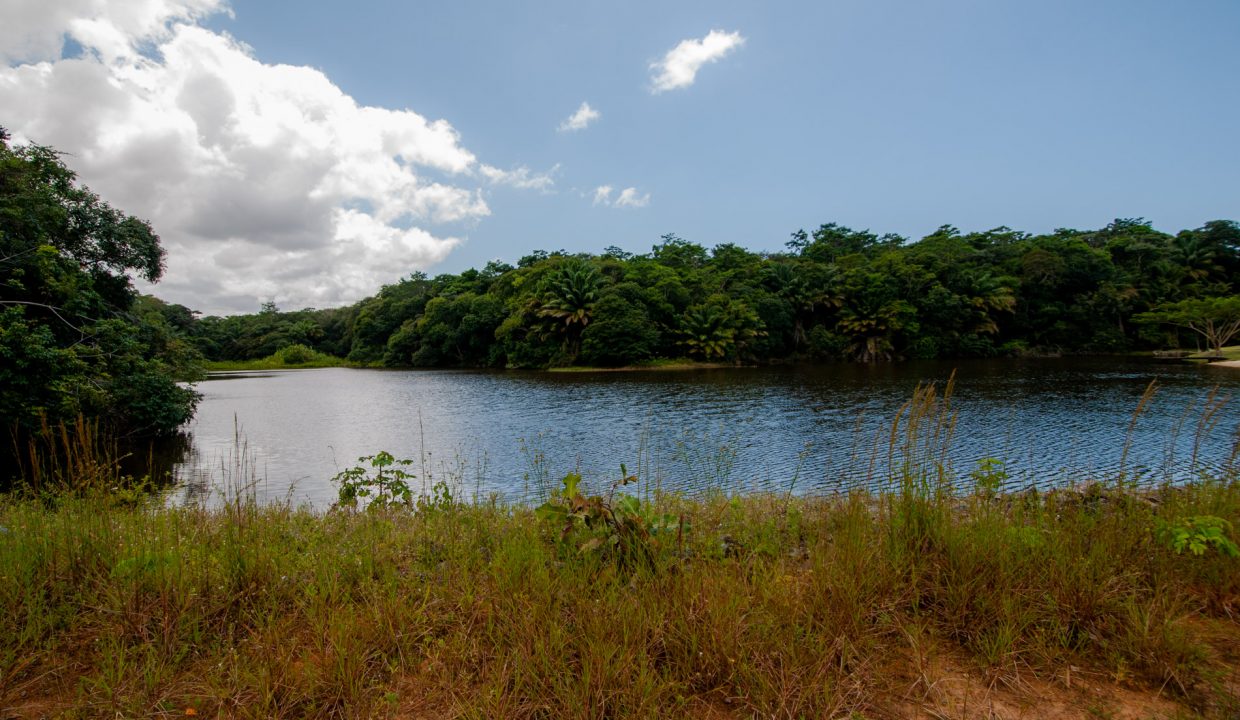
628 197
680 66
521 178
262 180
36 29
580 119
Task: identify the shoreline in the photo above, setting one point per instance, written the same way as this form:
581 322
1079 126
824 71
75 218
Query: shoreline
688 365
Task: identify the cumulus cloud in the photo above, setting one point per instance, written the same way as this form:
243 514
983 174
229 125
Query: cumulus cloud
679 67
36 29
580 119
521 177
262 180
628 197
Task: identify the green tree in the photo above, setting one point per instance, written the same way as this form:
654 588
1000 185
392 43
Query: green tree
621 333
453 331
73 338
720 329
568 303
1216 320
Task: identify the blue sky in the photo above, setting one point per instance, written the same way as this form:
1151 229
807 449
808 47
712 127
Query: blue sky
893 116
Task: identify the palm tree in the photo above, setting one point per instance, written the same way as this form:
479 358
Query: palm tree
721 328
1194 255
987 295
568 302
805 289
705 333
872 330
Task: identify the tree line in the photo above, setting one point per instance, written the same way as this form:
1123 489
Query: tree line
76 339
834 294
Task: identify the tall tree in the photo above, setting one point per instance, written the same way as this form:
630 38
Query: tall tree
71 339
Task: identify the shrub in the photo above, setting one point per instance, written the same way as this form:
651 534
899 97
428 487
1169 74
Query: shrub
296 354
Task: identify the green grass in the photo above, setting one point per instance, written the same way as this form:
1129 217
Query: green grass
1230 352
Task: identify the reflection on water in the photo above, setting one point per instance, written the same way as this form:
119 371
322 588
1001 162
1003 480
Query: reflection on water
159 460
823 427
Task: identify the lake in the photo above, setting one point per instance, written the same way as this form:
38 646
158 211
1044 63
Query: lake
800 429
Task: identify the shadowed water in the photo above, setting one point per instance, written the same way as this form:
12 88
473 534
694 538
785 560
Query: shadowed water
803 428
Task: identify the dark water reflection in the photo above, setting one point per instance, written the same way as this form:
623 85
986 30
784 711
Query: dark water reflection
1051 421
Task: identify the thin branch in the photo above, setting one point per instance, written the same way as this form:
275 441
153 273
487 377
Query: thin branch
54 310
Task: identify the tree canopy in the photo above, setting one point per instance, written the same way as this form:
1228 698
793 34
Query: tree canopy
75 337
834 294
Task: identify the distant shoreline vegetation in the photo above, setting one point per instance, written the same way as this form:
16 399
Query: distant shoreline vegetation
835 294
289 357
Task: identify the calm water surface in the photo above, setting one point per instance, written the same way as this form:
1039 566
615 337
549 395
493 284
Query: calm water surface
808 429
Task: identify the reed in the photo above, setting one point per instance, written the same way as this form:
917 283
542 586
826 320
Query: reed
67 457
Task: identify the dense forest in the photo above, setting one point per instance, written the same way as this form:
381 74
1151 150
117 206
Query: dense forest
833 294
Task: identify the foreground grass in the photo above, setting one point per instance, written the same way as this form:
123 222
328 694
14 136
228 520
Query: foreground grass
853 606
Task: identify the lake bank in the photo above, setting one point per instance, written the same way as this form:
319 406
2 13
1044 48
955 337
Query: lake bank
671 365
1056 605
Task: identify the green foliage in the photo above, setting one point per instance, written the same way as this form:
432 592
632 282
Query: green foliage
454 330
989 476
75 338
290 357
567 304
837 294
1197 534
1215 319
621 334
295 354
621 528
720 329
384 484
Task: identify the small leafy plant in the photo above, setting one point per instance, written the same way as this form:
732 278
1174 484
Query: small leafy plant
989 476
621 528
1197 534
385 483
439 498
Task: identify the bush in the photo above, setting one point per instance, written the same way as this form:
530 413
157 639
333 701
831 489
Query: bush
621 334
296 354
